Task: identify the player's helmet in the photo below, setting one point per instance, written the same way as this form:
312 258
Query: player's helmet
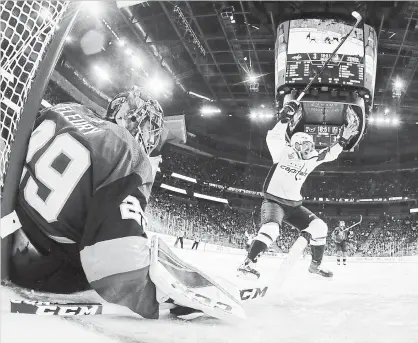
299 138
139 114
342 223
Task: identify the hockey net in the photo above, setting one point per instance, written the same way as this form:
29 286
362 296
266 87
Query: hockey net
27 29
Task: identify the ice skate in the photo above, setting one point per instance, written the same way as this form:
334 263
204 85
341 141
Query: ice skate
316 268
246 269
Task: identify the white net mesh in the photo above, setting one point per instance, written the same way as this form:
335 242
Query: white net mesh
27 28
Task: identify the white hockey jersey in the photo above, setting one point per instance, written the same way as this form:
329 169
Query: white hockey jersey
289 171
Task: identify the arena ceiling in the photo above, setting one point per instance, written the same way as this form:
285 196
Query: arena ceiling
192 43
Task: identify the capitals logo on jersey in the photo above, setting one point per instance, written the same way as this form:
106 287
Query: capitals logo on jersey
295 166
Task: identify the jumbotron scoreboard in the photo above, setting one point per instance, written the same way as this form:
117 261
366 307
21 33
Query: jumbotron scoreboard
303 46
346 70
323 135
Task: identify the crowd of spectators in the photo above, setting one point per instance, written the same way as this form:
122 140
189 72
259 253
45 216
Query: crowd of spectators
221 224
56 95
318 184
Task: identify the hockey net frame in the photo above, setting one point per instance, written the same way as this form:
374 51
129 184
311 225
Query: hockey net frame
32 38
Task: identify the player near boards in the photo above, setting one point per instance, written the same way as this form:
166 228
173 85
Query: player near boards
81 205
180 235
341 236
292 163
196 240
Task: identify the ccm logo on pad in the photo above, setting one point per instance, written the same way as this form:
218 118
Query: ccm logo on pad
46 308
252 293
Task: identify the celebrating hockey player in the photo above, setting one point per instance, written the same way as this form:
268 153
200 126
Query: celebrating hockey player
83 193
340 236
282 199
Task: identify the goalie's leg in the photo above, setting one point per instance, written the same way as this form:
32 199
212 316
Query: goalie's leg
186 286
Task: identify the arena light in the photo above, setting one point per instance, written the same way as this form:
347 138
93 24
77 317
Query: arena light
371 120
68 39
253 115
46 13
183 177
94 7
199 96
208 197
101 73
380 120
252 77
121 42
387 120
386 111
210 110
398 84
157 85
136 61
395 121
173 189
128 51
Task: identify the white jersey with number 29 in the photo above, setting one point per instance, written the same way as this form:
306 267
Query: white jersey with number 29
289 171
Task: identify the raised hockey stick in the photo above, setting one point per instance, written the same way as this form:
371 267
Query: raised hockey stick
358 223
358 20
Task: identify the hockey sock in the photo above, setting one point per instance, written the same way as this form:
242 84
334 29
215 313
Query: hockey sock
338 259
257 247
317 253
344 259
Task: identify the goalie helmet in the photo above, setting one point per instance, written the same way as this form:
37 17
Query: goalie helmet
299 138
139 114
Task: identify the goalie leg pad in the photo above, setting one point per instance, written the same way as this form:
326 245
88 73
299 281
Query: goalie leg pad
190 287
318 230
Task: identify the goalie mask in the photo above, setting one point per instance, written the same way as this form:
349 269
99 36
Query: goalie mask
140 115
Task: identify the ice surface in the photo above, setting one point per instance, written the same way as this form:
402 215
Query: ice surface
364 302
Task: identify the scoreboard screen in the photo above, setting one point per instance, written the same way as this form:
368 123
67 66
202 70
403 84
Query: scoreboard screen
323 135
311 43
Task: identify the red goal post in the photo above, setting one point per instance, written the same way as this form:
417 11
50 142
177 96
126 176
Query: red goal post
32 38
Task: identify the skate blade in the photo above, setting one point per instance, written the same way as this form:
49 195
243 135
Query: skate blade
247 276
321 277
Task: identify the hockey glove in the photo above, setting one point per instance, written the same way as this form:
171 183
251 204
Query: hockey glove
289 110
350 129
